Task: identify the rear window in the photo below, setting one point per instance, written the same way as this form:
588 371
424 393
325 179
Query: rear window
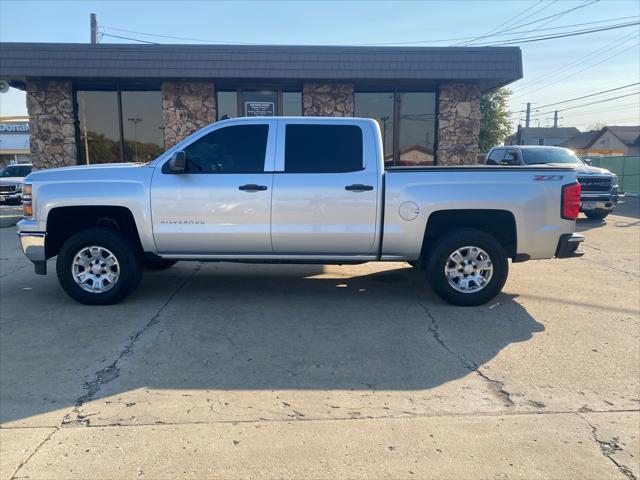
535 156
323 149
497 155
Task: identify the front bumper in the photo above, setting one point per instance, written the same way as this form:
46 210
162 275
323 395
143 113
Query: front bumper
568 246
594 201
32 244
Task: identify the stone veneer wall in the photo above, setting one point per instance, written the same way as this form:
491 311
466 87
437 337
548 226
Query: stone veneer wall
327 99
186 107
52 129
458 124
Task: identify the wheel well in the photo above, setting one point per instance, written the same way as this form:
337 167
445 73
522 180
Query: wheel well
500 224
63 222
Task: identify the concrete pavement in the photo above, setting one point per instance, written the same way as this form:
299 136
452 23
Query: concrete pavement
261 371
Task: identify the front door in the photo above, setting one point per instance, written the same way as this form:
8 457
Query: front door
222 203
259 103
326 194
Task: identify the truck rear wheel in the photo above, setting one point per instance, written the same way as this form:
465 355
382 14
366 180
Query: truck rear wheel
99 266
467 267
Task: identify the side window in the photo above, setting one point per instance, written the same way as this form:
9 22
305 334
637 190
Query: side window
233 149
496 156
511 158
323 149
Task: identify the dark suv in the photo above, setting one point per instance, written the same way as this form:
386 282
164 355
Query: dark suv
599 186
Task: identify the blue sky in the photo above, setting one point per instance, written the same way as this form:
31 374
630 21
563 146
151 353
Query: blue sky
555 70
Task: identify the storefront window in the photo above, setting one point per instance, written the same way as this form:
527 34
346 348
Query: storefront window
416 129
142 125
99 128
378 106
227 105
408 131
292 104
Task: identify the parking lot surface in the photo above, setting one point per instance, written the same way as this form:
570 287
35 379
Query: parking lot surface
260 371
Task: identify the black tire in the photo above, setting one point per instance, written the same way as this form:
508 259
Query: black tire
439 258
596 214
157 263
129 265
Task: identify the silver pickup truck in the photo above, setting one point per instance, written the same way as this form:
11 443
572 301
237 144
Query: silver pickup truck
294 189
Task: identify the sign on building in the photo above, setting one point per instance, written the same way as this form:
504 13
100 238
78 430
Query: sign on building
259 109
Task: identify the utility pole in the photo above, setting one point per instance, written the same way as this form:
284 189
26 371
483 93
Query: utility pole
528 116
135 134
94 29
555 119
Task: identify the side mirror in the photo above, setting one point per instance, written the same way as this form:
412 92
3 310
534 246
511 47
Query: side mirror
178 162
587 161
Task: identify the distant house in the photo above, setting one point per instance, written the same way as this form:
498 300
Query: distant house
541 136
609 141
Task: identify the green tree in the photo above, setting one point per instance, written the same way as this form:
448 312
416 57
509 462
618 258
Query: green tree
495 125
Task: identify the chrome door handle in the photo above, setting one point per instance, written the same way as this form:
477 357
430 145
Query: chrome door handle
252 187
357 187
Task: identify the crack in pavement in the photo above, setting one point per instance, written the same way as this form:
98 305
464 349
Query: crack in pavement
6 274
608 449
112 371
38 447
496 386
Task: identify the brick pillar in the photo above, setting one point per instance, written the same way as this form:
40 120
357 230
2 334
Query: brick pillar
52 129
327 99
186 107
458 124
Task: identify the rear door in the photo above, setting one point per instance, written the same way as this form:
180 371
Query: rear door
325 188
222 203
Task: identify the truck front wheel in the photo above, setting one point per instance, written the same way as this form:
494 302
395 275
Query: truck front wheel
596 214
99 266
467 267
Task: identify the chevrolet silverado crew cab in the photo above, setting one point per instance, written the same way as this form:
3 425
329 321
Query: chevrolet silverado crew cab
294 189
599 186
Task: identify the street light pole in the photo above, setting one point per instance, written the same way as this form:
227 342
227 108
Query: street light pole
135 134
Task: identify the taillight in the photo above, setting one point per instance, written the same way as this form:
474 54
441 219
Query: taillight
570 201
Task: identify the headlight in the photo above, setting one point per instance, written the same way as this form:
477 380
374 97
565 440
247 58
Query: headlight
27 200
614 181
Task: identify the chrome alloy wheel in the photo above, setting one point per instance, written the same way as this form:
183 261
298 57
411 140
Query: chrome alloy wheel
469 269
95 269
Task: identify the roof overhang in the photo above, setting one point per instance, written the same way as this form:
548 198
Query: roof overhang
489 67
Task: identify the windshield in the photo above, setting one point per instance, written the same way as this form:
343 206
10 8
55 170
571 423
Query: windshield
548 155
15 171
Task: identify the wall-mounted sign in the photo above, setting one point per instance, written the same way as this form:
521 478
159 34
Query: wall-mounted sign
14 127
259 109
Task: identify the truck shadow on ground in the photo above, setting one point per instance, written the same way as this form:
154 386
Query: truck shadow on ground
251 327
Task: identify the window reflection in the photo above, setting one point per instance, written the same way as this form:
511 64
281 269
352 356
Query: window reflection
292 104
417 129
378 106
227 105
99 127
142 125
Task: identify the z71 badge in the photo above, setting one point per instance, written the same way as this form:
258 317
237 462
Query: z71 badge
548 178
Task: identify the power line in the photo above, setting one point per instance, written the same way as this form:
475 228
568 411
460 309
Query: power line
497 29
169 36
579 61
563 35
586 104
416 42
102 34
587 96
568 71
583 5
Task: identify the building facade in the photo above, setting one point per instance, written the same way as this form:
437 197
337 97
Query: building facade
108 102
550 136
606 142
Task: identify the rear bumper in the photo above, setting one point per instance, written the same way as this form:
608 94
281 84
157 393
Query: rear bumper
568 246
32 244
